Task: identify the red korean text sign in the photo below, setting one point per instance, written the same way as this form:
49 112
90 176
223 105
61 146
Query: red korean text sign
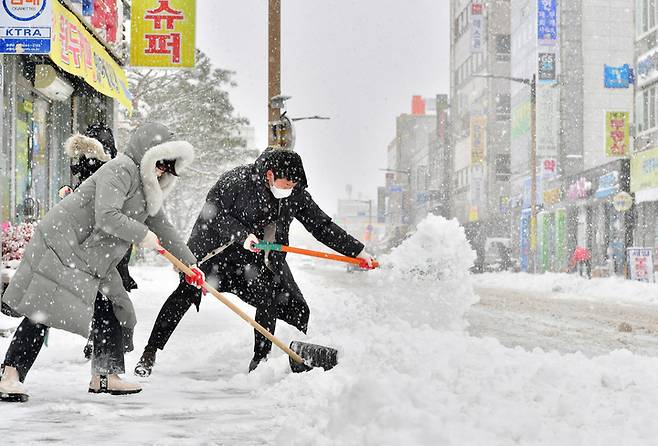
163 33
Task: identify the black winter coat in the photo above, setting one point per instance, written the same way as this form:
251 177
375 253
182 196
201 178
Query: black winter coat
240 203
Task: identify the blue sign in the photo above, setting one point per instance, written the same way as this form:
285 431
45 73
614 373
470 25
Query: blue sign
524 240
527 185
547 21
88 7
608 185
395 188
617 77
25 27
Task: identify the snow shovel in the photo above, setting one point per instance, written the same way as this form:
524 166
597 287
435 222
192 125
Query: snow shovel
303 356
307 252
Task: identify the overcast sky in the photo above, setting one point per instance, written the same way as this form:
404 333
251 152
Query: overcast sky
358 62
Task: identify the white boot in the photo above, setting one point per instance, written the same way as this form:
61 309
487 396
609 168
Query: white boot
11 389
113 385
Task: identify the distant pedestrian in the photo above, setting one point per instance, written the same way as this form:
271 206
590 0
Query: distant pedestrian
581 261
505 258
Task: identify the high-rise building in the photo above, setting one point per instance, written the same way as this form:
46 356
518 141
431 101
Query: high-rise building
579 53
480 116
644 160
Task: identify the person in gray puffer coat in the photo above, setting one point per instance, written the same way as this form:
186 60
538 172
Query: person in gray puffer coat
74 252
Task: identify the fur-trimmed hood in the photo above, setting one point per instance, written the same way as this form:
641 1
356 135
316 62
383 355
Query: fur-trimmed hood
77 145
148 144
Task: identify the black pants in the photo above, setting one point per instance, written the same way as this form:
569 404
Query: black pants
182 299
584 268
244 274
107 336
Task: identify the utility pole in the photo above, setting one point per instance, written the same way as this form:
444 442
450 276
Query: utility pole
533 173
532 83
273 65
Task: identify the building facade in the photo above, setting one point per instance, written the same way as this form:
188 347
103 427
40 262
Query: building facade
480 112
44 102
408 170
644 159
582 130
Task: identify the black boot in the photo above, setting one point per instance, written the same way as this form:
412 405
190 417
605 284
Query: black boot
255 361
89 348
145 365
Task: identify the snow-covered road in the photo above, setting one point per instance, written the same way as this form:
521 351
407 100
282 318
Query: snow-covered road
567 324
407 374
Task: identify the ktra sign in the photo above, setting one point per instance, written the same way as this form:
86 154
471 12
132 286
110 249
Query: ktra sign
25 26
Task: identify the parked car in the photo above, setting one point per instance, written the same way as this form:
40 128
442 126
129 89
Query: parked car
497 254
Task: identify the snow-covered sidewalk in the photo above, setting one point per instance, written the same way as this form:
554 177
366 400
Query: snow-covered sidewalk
572 286
408 374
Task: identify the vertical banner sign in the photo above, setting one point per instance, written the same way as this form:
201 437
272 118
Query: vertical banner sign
478 138
547 21
524 239
25 26
546 68
162 33
640 263
477 28
544 230
381 204
617 133
560 238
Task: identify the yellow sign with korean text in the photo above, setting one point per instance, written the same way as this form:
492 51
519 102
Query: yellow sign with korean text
162 33
478 133
76 51
617 133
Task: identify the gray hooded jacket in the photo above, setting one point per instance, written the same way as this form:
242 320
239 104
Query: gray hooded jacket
77 245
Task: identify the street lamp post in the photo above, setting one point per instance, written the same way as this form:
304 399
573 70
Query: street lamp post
532 83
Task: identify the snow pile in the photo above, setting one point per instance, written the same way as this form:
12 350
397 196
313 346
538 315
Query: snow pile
427 277
572 286
388 329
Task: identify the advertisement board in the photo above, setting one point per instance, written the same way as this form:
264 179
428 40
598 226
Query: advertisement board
640 264
162 33
25 26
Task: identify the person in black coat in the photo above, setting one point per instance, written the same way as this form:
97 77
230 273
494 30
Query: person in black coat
250 203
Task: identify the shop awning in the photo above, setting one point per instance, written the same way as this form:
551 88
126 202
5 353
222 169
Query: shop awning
76 51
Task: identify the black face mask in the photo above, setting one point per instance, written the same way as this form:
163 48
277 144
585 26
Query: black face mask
167 166
86 167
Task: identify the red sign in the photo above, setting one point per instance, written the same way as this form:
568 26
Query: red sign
106 18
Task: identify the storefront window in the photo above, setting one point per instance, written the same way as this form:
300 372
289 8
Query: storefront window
31 171
39 154
24 107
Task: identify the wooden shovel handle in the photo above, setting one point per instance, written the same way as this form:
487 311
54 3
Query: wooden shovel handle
186 270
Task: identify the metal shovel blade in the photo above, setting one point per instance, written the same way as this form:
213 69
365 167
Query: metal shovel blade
314 356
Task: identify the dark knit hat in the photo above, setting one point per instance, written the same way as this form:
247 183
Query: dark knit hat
284 164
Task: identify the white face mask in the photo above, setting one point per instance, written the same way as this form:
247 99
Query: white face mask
280 193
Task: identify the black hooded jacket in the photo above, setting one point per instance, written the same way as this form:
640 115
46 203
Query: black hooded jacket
240 203
87 165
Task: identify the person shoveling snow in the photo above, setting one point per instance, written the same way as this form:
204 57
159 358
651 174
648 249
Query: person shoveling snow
250 203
